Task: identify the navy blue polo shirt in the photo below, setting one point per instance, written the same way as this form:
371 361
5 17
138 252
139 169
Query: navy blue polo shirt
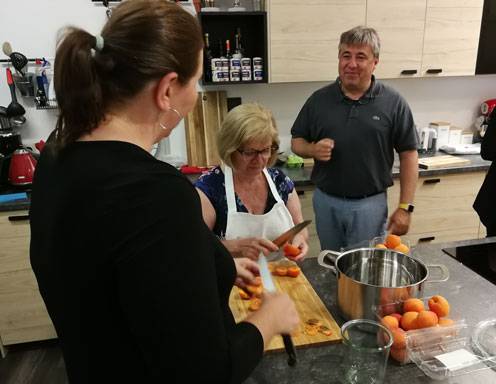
365 134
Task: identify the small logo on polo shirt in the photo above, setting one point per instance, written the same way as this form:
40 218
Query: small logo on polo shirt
376 118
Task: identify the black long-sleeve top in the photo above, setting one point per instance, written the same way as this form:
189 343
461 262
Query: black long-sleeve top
484 203
135 283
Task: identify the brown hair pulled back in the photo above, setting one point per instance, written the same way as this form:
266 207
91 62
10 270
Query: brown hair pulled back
143 41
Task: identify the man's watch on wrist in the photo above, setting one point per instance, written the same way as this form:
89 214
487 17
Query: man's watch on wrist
407 207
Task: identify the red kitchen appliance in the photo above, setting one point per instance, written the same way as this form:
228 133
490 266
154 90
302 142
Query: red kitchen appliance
22 165
488 106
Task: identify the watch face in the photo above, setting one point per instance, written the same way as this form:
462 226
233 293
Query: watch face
410 207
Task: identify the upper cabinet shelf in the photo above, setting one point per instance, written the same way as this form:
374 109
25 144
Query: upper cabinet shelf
232 35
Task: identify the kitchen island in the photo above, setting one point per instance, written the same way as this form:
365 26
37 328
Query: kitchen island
471 297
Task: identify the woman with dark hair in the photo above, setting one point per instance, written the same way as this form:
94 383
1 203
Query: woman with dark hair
136 284
484 203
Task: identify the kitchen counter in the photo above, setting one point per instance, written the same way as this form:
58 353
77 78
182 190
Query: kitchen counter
302 176
468 293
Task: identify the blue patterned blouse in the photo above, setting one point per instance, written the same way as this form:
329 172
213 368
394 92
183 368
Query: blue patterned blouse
212 185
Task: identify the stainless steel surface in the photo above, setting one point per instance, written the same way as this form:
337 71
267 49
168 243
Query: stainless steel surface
265 273
290 233
369 277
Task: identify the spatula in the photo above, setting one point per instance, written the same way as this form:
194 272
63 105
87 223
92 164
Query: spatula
14 108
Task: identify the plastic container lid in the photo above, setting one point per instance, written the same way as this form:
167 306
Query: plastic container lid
443 352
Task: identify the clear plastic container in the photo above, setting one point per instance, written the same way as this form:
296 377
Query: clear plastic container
444 352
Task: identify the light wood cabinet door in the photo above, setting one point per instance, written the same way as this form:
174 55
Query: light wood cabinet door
23 315
443 207
400 25
304 37
451 38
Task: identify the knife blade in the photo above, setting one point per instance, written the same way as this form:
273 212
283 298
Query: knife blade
270 287
290 233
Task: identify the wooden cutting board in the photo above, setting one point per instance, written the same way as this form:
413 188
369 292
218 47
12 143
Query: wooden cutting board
308 305
442 162
201 127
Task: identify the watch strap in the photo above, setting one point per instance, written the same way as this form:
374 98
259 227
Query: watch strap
406 206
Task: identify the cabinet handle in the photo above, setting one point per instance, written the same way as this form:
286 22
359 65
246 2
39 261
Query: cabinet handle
19 218
432 181
425 239
409 72
434 70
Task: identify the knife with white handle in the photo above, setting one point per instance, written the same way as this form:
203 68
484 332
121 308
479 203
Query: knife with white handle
270 287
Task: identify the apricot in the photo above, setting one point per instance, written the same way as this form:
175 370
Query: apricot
439 305
392 241
413 305
445 322
408 320
400 355
402 248
390 322
398 316
399 338
426 319
381 246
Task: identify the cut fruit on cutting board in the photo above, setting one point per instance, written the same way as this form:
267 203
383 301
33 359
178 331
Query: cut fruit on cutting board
442 162
308 305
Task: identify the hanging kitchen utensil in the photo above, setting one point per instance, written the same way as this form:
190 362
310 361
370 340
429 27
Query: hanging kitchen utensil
14 109
19 61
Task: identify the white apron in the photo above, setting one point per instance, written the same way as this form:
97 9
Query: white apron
244 224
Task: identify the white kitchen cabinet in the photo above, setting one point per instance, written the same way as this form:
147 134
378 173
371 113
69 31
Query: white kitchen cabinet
451 37
443 207
304 37
23 315
400 25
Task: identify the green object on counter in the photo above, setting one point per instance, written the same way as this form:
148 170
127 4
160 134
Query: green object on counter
294 161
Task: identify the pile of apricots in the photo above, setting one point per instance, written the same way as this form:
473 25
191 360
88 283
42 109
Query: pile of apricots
415 316
394 242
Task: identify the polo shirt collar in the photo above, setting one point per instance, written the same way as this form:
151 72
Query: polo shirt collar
369 95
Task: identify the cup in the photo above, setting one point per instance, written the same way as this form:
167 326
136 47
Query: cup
367 344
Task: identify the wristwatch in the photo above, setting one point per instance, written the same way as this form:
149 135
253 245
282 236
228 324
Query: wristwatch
407 207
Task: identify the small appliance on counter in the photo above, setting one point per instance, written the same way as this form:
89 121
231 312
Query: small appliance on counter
482 120
21 169
428 140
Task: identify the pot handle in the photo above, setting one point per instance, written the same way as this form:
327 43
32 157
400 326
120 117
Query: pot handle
332 255
444 271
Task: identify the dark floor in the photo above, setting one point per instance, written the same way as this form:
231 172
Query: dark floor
33 363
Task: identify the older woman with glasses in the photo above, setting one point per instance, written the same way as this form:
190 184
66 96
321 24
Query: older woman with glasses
245 202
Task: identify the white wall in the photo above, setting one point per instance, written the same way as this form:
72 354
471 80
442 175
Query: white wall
31 27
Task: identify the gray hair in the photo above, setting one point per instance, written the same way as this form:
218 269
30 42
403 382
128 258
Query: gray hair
361 36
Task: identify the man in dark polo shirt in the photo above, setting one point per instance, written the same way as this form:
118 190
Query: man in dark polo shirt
351 128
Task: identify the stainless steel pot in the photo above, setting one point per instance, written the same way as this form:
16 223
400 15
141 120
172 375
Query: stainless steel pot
368 278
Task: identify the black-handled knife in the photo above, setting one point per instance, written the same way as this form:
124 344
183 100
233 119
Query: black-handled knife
290 349
270 287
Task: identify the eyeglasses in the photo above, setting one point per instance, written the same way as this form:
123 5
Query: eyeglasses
252 153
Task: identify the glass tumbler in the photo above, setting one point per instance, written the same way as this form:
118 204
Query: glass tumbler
367 344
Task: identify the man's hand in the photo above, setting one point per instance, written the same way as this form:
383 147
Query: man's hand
322 149
399 222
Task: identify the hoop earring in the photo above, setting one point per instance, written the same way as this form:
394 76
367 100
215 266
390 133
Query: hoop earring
176 112
163 126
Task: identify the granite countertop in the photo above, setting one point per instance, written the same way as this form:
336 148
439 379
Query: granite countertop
470 296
